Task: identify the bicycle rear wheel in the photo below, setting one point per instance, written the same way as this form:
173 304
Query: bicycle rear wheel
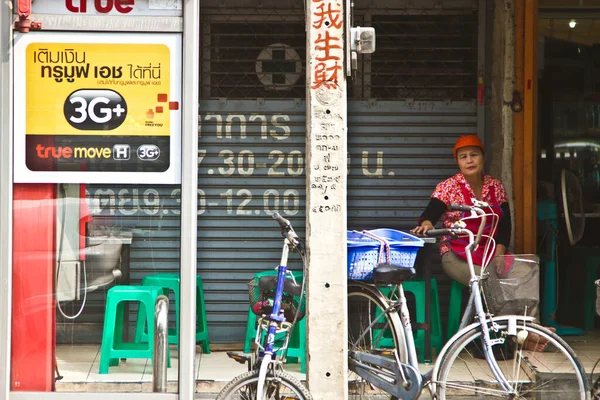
373 330
279 386
553 372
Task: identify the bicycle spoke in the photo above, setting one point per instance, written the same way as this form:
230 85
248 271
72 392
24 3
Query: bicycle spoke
277 387
556 373
370 330
474 389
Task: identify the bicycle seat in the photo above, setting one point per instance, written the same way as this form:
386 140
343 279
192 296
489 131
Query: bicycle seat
266 283
389 273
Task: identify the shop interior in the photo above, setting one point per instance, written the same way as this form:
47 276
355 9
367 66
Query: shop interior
569 165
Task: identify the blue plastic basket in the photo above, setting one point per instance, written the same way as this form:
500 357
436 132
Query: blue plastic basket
364 252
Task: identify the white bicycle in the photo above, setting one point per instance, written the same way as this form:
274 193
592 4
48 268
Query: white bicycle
489 357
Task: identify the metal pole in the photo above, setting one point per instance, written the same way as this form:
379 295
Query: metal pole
161 341
6 145
189 199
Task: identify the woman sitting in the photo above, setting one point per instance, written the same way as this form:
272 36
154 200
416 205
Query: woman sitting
469 185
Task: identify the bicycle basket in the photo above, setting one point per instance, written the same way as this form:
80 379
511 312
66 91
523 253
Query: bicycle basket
369 248
261 301
512 284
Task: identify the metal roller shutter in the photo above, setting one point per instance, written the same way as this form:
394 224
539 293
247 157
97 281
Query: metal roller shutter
151 215
251 165
397 153
252 143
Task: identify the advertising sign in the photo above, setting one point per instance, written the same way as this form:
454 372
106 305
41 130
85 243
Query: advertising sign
109 7
97 108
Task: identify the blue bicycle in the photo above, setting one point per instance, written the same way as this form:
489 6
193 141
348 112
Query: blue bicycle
278 299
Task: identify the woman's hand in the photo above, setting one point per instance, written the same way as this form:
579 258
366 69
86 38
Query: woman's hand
421 230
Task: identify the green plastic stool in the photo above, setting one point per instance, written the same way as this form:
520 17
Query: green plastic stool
417 288
113 348
201 324
171 281
296 351
454 308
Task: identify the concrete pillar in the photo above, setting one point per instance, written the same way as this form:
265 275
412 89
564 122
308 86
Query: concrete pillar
326 149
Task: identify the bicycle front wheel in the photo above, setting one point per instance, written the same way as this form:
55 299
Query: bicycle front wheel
541 366
374 329
278 386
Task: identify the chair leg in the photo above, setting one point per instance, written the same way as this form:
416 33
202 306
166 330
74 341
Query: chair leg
454 310
250 331
202 324
436 323
302 345
174 336
107 337
140 326
118 331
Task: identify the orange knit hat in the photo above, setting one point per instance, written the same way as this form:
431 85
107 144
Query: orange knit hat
466 141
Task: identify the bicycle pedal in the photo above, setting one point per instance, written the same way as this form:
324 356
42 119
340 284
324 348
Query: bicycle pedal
382 352
239 357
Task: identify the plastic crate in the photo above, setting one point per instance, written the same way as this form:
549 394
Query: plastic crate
365 252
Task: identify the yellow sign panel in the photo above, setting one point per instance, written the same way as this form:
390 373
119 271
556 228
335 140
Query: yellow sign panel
94 89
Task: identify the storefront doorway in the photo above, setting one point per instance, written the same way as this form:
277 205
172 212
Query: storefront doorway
569 159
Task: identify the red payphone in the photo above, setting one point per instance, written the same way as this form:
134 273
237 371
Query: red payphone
49 231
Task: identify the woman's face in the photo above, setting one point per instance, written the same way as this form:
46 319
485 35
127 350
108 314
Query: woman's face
470 161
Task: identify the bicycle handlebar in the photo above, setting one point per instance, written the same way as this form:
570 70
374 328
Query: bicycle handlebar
287 231
454 231
439 232
459 207
283 223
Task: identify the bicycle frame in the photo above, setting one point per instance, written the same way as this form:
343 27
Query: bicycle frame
483 318
265 376
475 299
485 321
266 355
512 322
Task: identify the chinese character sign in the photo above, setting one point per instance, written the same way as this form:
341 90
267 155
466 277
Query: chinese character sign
97 108
327 53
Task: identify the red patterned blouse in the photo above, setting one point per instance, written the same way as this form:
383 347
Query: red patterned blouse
449 192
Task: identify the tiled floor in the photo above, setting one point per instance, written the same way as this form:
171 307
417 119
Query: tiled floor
78 364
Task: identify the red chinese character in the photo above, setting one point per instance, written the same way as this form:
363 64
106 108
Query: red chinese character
327 47
323 78
334 16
